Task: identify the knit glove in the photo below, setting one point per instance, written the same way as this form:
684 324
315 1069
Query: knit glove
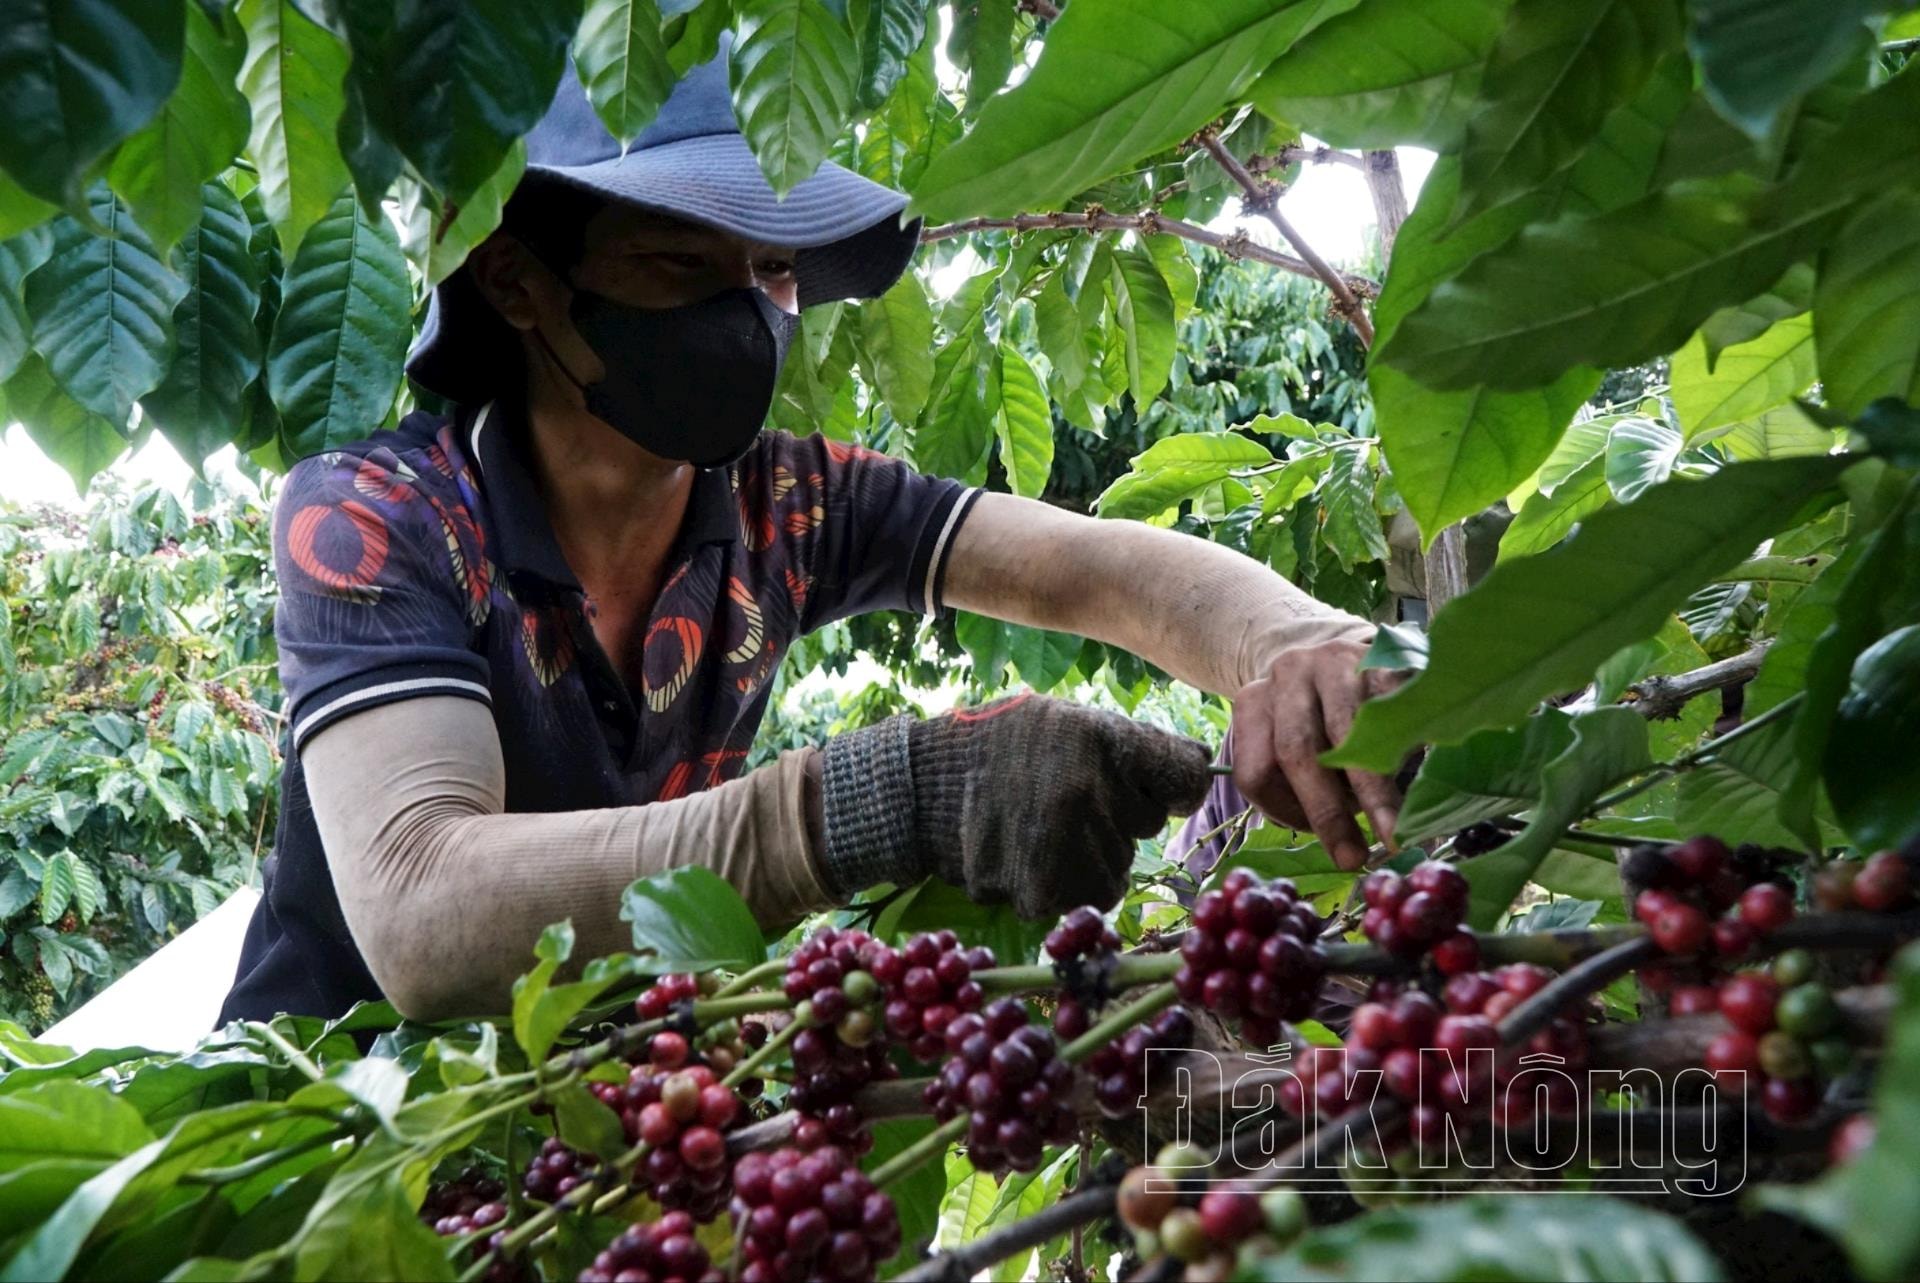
1029 800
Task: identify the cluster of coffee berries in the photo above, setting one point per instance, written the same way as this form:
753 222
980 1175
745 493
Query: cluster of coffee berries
1081 934
832 972
929 982
1119 1069
680 1111
1786 1034
556 1171
472 1201
828 1074
1690 885
1083 948
1253 952
1882 883
1409 915
833 980
472 1204
810 1215
657 1250
667 992
1205 1237
1007 1077
1426 1052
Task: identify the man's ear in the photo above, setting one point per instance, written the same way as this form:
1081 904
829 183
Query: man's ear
512 280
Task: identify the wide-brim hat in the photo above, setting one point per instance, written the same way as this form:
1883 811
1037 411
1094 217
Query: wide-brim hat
691 163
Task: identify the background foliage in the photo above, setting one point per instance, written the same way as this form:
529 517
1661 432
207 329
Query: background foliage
1655 304
138 734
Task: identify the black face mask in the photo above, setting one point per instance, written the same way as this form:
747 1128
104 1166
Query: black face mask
692 382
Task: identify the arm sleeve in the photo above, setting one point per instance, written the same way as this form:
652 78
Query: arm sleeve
1212 617
445 895
376 603
862 531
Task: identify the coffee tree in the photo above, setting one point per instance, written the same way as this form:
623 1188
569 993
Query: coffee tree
1666 816
137 731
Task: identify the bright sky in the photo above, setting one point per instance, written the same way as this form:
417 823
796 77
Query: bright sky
1329 206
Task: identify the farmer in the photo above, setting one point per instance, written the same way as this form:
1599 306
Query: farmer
526 643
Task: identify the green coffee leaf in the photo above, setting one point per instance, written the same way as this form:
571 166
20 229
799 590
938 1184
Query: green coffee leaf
1866 315
81 75
690 919
956 428
1649 272
292 79
1387 73
1489 774
334 362
892 31
1542 624
1024 425
1640 453
1872 774
621 58
74 437
1350 523
201 404
101 307
1556 72
1178 467
897 329
792 69
1756 57
1609 746
1545 519
160 170
1739 323
1747 379
451 84
1736 794
18 257
1101 98
1143 308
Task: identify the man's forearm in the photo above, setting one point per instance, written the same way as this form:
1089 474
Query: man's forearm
1206 614
445 895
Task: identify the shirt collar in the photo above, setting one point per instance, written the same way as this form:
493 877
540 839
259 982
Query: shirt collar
523 536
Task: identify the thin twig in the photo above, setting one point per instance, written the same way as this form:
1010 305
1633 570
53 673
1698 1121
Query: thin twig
1687 761
1579 982
1660 697
969 1259
1148 223
1263 198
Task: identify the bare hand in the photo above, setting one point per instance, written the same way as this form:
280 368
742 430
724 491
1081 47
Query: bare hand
1283 721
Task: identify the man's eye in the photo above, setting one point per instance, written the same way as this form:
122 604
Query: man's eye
688 262
775 267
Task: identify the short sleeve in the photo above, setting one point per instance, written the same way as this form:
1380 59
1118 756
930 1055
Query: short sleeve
863 531
381 589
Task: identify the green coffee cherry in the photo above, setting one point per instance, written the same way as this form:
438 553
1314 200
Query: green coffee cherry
1285 1213
1807 1011
1182 1236
860 988
1188 1155
1784 1056
1794 967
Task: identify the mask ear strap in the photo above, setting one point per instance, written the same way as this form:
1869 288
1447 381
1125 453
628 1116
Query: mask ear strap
554 356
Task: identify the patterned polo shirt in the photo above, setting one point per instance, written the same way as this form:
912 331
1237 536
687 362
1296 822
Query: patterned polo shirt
421 562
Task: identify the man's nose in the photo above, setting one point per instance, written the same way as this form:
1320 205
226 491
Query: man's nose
737 271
